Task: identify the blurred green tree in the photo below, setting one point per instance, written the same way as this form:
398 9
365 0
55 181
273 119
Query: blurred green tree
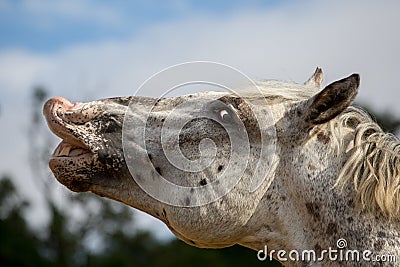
387 121
19 245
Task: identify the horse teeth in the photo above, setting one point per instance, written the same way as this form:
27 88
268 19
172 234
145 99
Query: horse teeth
56 152
65 151
76 152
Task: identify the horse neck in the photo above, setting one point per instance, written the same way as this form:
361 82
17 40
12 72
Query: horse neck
304 210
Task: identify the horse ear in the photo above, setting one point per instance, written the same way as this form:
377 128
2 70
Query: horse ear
316 79
332 100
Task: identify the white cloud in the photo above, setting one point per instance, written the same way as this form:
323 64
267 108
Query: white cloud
286 42
19 70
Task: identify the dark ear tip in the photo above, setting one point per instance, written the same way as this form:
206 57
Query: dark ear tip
356 78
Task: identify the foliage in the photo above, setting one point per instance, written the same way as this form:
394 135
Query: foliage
19 245
388 122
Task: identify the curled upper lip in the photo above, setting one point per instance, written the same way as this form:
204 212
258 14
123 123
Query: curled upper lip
62 117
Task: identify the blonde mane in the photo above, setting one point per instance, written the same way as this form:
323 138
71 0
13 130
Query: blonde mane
373 164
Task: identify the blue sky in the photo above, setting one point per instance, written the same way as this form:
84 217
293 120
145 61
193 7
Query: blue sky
85 50
46 26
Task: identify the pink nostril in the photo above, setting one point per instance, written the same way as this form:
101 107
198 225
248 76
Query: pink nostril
61 101
76 106
55 103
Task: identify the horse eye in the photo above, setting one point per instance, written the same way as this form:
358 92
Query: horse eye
224 115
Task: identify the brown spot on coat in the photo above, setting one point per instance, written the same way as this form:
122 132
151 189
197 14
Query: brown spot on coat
323 138
187 201
203 182
350 219
331 229
313 209
317 249
381 234
220 168
378 245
